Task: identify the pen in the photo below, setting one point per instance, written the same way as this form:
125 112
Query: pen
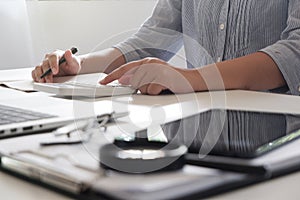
62 60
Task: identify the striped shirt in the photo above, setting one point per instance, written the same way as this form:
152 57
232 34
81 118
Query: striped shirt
216 30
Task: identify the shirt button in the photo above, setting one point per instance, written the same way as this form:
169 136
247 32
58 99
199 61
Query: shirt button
222 26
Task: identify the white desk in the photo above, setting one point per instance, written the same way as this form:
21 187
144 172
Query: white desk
281 188
141 107
285 187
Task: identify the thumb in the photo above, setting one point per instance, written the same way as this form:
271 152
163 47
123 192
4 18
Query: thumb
71 65
68 56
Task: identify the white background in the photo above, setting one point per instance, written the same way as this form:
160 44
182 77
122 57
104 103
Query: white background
31 28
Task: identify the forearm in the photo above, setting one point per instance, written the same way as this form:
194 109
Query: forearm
102 61
253 72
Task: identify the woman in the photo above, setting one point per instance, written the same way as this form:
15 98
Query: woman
229 44
255 44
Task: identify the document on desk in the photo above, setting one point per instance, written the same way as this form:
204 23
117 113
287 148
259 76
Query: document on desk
18 79
15 75
22 85
86 85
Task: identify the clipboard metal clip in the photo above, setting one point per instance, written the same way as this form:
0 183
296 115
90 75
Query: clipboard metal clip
82 131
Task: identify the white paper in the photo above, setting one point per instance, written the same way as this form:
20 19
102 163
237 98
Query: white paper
24 85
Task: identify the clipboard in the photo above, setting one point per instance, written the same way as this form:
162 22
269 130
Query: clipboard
72 170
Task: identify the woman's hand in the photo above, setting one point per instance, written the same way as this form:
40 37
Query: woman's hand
71 67
152 76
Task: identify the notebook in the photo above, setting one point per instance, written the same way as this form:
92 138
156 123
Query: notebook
86 85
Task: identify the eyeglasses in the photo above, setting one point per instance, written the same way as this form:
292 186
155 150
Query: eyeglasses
82 130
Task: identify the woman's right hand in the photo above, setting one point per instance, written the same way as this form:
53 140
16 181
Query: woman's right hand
72 66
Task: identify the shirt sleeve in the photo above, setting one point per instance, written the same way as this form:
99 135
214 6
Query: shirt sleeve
286 52
160 36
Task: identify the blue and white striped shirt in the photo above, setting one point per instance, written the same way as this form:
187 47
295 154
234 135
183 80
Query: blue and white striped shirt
216 30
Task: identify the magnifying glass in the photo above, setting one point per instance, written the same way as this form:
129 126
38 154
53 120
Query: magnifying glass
142 156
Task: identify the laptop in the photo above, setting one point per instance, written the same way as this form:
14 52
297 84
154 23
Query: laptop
26 113
26 116
16 121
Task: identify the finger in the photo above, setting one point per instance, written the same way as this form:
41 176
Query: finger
53 64
72 64
69 57
46 56
49 78
38 72
33 76
45 66
155 89
118 73
143 89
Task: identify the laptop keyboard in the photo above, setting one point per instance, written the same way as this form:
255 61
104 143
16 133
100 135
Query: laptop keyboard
10 115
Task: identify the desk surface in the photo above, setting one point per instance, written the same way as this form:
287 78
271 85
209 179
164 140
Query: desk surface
285 187
280 188
14 188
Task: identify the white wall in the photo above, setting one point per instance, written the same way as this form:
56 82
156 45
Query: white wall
15 44
43 26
